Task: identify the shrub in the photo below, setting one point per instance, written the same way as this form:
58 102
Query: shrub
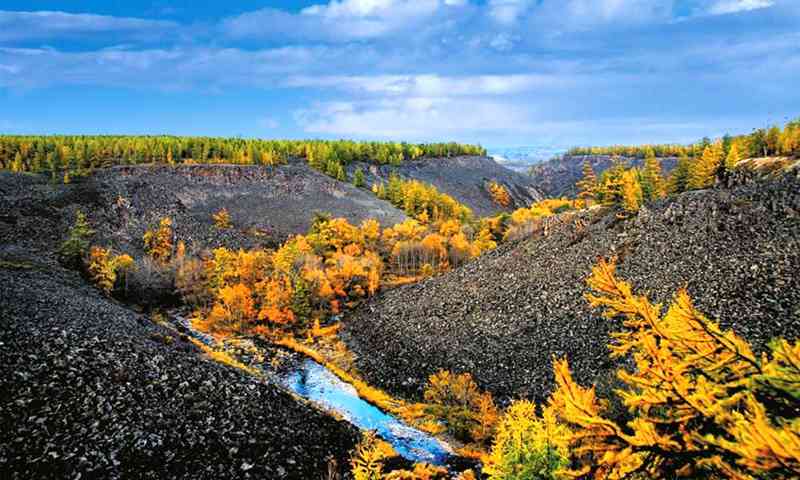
151 284
75 247
421 471
222 219
467 413
191 282
367 459
499 194
525 447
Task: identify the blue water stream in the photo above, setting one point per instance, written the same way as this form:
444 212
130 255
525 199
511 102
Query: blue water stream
316 383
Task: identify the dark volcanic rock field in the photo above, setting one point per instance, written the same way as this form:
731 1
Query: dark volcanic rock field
266 205
504 316
92 390
463 178
557 177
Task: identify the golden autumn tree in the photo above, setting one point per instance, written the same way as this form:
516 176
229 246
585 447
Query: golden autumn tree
103 267
234 307
587 186
733 157
222 219
527 445
499 194
468 413
653 185
159 243
704 169
631 190
701 403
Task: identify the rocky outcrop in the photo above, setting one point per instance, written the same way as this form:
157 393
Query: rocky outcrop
557 177
464 178
505 316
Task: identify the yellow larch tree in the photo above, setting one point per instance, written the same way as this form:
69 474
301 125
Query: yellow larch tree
701 403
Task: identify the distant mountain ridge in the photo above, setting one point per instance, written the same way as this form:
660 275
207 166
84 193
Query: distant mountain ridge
522 158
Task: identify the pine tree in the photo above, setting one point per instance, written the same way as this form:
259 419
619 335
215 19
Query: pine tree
75 247
733 157
18 165
704 169
631 191
679 179
358 178
652 181
587 186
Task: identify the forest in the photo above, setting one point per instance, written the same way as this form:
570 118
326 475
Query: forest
762 142
66 156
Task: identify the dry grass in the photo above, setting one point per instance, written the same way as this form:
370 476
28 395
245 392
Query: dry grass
224 358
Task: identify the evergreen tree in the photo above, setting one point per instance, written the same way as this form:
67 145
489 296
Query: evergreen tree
679 180
18 165
732 158
772 140
652 179
704 169
587 186
358 178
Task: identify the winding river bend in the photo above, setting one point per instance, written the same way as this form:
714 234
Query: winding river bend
319 385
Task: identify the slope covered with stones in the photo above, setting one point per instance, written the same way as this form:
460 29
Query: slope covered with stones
463 178
266 205
91 389
504 316
557 177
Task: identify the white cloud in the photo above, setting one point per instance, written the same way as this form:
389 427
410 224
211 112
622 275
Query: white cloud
49 24
341 20
415 118
268 123
430 85
168 69
503 42
722 7
586 14
508 11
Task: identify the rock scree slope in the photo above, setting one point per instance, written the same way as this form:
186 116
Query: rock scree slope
464 178
266 204
91 389
504 316
557 176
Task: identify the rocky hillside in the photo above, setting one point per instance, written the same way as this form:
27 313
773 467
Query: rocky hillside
557 177
94 390
463 178
504 316
266 205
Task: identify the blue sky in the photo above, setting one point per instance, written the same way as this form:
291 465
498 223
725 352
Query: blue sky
495 72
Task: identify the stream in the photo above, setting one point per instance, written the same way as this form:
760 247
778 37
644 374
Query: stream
319 385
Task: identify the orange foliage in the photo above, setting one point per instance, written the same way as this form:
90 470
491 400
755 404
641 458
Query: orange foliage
159 243
499 194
